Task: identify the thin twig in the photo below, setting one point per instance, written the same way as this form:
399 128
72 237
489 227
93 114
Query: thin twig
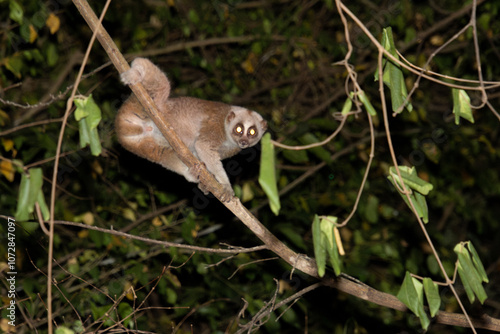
56 167
160 242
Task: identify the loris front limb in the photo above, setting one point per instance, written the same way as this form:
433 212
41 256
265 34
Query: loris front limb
211 130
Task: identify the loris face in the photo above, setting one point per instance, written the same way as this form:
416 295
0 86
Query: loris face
245 127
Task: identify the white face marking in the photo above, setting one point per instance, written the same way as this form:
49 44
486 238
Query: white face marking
246 127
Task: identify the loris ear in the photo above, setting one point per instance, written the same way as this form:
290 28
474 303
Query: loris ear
230 117
263 123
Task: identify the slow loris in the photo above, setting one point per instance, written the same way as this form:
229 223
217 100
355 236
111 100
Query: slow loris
213 131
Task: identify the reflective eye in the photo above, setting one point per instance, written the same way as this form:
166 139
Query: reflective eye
252 132
238 129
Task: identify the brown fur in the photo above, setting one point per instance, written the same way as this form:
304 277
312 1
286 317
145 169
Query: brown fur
206 127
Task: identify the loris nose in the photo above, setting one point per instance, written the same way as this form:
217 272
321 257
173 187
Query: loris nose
243 143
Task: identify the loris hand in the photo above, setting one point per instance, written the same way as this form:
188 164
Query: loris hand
228 192
226 196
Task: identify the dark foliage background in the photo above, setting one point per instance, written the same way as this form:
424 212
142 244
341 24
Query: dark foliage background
275 57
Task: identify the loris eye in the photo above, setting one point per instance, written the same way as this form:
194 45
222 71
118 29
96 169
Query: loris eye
238 129
252 131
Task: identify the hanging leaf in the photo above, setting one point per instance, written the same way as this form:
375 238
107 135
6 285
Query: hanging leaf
432 295
347 106
88 115
411 179
267 174
411 294
393 75
43 206
330 243
36 181
366 103
415 185
325 244
477 262
420 204
461 105
408 293
471 276
319 249
23 212
466 277
88 108
30 192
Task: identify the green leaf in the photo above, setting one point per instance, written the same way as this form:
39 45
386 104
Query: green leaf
125 310
411 294
465 282
470 276
477 262
330 243
81 111
171 296
78 326
408 293
51 53
63 330
84 132
319 249
413 182
371 207
88 108
193 16
94 111
420 204
16 12
393 75
43 206
23 212
95 142
411 179
30 191
25 31
36 181
325 244
347 106
368 106
88 115
318 151
432 294
14 64
296 157
267 174
461 105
